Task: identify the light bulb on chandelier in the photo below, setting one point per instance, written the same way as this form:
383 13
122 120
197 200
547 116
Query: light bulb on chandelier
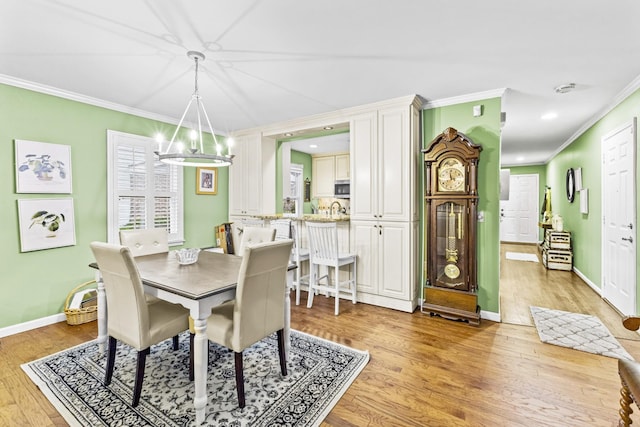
195 155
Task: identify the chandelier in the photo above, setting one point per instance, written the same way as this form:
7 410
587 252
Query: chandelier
193 153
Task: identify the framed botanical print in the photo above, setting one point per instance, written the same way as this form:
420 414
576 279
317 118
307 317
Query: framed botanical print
207 180
46 223
42 167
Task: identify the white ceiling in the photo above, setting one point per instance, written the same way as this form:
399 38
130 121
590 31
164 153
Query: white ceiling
273 60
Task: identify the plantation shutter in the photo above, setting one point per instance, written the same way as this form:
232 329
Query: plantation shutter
143 192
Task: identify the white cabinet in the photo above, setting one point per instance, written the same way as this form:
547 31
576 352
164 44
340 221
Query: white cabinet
323 176
252 176
385 159
386 262
342 167
385 154
326 170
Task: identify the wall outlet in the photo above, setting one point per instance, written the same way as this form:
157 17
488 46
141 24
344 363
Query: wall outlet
480 216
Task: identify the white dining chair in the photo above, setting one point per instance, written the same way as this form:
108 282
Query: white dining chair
255 235
324 251
130 318
257 310
145 241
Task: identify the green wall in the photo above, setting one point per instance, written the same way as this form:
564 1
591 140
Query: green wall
35 284
585 153
541 171
303 159
485 131
299 158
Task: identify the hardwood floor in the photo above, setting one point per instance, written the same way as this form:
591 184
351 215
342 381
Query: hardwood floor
423 371
523 284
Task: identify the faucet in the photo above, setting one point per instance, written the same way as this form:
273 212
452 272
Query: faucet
338 211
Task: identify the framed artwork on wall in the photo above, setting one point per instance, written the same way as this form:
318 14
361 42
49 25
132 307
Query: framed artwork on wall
46 223
42 167
207 181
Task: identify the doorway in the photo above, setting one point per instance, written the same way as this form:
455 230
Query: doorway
619 213
518 214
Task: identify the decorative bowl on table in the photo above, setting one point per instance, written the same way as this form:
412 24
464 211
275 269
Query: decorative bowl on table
187 256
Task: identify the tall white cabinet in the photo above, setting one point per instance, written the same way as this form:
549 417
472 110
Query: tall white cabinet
385 148
252 176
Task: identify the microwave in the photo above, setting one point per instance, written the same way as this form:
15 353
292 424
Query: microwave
342 189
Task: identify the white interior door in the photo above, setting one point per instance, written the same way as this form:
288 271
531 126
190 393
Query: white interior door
519 214
618 207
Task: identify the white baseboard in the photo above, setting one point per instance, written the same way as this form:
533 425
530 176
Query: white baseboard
32 324
490 315
588 282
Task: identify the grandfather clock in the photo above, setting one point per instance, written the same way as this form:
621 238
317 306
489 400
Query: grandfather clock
451 203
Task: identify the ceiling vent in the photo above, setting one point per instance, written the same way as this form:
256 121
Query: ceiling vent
567 87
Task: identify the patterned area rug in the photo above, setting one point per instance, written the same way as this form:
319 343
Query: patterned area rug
519 256
319 372
577 331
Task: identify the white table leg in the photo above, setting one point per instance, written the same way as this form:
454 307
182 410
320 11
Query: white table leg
200 368
287 314
102 314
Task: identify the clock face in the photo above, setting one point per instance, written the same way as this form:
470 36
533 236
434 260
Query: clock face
451 176
452 271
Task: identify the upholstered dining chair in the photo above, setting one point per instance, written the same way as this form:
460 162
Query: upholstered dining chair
258 308
131 319
323 251
145 241
629 371
255 235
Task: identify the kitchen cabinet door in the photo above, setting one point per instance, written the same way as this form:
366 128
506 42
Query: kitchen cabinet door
384 160
323 176
386 260
342 167
245 176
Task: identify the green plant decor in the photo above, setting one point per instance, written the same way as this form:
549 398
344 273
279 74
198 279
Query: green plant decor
50 221
43 166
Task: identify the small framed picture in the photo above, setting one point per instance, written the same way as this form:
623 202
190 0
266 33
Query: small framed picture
207 181
46 223
42 167
289 207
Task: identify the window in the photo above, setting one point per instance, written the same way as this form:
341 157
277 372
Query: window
142 191
296 172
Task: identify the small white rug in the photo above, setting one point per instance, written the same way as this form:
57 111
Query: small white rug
519 256
577 331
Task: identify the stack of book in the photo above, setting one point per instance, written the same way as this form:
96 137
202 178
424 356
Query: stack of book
224 238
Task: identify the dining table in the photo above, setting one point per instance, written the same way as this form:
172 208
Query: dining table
199 287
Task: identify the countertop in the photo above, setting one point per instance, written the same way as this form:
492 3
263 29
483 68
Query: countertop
310 217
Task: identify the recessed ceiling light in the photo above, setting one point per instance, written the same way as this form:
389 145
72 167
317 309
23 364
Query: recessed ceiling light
313 146
288 134
328 127
564 88
549 116
520 158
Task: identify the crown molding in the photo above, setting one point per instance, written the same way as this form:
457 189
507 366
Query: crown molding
73 96
470 97
617 100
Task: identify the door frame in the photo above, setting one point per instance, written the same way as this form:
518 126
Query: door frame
634 290
534 212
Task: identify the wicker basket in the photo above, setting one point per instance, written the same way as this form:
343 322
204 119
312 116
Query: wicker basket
78 316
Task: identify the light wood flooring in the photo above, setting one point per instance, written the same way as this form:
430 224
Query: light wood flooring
423 371
524 283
